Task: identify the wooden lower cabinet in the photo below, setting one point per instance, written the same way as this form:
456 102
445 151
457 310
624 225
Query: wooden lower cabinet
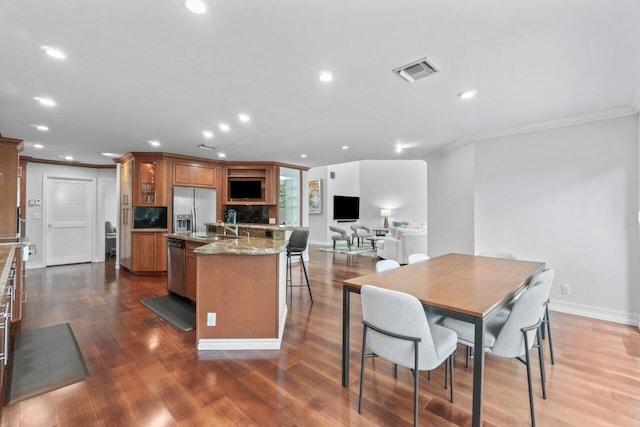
190 273
149 252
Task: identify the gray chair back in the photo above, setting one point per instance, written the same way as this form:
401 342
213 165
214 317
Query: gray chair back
298 241
386 264
400 314
413 258
340 231
527 311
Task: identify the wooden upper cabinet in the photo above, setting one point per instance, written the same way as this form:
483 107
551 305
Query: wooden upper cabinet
195 174
9 165
265 173
149 182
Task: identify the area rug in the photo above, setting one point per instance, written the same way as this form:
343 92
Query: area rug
363 250
43 360
175 310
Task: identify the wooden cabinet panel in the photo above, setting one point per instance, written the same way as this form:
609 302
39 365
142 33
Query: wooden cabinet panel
195 175
144 251
126 213
9 162
149 252
191 269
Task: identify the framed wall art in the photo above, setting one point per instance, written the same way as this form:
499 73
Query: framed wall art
315 196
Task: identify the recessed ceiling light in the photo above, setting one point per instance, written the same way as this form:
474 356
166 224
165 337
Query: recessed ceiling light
196 6
243 118
224 127
154 142
222 155
38 146
398 148
47 102
207 134
68 158
326 76
345 147
53 52
41 128
110 154
303 155
467 94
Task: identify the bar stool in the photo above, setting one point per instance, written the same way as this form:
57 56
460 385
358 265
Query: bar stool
296 246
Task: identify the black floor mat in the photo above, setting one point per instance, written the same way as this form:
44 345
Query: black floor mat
43 360
173 309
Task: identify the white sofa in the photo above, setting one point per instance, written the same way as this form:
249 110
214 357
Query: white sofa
401 242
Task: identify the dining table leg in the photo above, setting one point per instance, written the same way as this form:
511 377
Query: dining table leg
478 372
346 311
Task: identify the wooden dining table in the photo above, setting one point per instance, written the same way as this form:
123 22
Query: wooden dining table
466 287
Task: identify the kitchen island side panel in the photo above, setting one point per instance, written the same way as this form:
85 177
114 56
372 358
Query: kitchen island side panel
242 290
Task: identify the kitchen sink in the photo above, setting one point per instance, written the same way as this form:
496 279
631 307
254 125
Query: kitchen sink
220 237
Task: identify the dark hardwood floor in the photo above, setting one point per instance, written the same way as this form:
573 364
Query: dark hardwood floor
145 372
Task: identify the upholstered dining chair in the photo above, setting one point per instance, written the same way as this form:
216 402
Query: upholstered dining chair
396 329
413 258
386 264
340 236
513 336
295 247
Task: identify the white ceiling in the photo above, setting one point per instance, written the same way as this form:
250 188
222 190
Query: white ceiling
150 69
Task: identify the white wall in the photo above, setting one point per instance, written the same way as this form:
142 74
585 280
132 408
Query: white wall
451 203
567 196
34 214
399 185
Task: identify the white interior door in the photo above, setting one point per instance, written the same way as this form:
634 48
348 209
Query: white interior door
68 220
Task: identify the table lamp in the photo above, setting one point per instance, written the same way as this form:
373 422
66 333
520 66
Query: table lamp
386 213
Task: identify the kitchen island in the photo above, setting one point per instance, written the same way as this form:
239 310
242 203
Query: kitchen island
240 287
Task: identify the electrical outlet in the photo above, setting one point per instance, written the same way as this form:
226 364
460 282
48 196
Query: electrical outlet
211 319
565 289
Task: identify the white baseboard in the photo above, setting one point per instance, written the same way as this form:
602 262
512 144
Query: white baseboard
600 313
247 343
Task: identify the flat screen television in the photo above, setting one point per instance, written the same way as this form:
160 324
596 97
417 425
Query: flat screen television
346 208
245 189
149 217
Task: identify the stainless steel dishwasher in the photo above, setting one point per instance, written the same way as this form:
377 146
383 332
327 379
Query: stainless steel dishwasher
176 270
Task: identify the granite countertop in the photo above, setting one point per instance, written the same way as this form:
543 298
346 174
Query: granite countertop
6 257
263 226
242 245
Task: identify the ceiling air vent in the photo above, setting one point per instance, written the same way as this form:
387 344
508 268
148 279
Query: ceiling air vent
417 70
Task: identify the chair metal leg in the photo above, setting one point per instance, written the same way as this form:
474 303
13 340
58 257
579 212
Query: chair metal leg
451 376
288 280
543 377
416 375
395 370
528 363
306 277
364 347
546 321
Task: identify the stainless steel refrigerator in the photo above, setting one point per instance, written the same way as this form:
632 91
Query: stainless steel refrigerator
192 207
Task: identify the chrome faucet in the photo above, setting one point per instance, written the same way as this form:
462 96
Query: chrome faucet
225 227
232 228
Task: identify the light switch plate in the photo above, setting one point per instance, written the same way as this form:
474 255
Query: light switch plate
211 319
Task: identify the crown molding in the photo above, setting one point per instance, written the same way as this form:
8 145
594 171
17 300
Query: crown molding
536 127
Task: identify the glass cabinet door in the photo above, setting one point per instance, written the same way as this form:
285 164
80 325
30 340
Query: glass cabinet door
289 200
147 180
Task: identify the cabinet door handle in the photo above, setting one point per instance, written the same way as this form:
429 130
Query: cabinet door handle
24 296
